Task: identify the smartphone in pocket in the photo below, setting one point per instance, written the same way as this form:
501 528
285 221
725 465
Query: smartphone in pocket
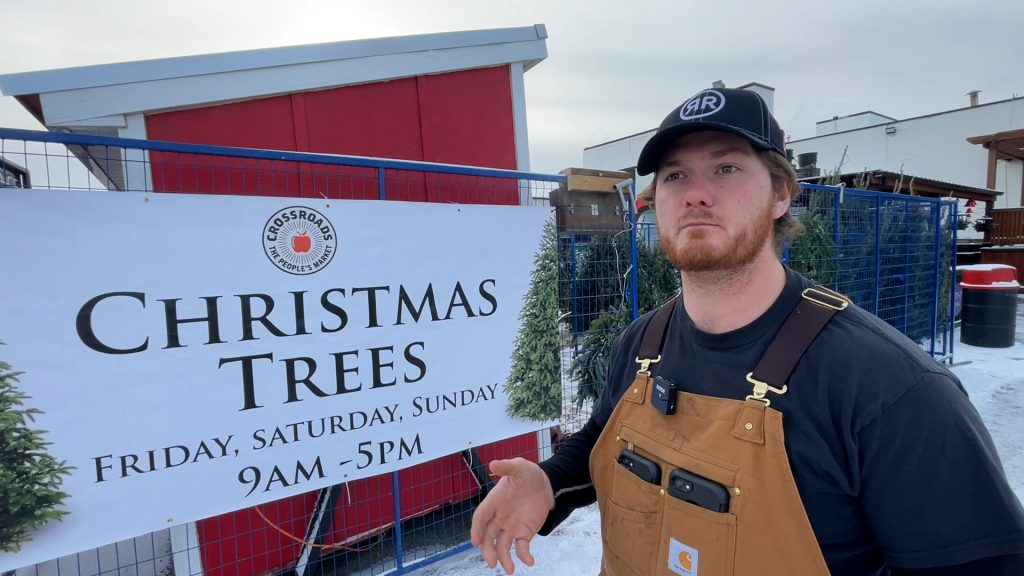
697 490
647 470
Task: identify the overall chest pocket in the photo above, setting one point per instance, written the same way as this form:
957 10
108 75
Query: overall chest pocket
696 541
657 533
631 523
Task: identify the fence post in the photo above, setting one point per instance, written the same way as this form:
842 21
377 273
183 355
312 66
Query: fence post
382 191
399 551
878 252
953 218
938 273
634 263
574 301
836 204
906 268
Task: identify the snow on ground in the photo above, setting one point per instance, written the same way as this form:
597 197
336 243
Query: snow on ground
994 378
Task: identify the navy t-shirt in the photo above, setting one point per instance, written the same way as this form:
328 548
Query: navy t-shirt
890 458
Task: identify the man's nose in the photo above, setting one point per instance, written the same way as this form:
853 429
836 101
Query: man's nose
698 192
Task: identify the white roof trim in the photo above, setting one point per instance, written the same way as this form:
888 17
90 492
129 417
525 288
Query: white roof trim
168 68
78 94
116 121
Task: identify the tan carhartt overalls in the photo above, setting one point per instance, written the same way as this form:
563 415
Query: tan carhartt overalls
738 444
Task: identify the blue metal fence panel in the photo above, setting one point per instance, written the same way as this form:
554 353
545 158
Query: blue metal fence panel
892 255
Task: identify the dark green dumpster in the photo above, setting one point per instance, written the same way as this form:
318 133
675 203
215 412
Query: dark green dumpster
989 312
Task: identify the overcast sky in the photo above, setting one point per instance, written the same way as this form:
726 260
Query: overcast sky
613 68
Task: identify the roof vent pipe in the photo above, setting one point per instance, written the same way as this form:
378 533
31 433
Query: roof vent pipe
973 95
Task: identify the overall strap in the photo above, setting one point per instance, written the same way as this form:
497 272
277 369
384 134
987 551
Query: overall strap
815 309
654 336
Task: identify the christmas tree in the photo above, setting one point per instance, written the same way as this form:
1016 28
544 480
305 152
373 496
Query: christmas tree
590 366
813 253
534 386
658 282
30 478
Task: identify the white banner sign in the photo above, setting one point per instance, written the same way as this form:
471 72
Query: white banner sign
194 355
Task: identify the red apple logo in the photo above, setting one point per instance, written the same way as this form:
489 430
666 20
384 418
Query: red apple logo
301 243
299 240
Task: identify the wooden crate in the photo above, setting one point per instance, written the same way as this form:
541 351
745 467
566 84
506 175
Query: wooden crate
583 179
590 203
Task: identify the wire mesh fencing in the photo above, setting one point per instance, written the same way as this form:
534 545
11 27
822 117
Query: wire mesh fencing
892 255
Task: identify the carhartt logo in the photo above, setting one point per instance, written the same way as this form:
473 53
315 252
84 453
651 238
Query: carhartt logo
682 559
703 104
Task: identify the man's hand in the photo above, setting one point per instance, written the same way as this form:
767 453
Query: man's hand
512 513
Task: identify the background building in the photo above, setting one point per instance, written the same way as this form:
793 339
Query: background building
971 152
946 146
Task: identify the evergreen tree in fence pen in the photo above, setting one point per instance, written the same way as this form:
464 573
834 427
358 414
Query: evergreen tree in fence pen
658 281
30 478
590 366
813 253
896 250
534 385
604 272
946 246
909 259
860 241
600 278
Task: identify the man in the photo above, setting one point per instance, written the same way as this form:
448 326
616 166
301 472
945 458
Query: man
884 466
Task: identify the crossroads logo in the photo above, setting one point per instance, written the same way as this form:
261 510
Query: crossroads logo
299 240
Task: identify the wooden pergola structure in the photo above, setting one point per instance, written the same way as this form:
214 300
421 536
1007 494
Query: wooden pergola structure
1001 146
1007 145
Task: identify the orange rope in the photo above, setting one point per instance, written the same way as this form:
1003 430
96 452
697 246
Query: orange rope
304 542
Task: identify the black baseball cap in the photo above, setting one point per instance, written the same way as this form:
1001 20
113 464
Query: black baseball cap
735 110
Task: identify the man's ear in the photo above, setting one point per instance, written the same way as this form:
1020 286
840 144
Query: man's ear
783 198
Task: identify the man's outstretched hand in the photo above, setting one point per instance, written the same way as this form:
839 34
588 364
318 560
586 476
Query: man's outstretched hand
512 513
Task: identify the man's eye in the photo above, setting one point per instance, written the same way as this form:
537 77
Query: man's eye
730 169
673 176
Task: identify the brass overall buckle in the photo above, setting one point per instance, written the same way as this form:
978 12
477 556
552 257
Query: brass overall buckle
826 298
645 364
762 388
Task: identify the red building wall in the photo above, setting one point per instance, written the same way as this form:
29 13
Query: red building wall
454 118
461 117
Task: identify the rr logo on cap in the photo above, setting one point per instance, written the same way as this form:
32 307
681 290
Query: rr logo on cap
703 104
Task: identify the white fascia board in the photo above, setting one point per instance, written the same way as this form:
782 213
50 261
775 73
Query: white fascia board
136 164
153 95
185 66
519 123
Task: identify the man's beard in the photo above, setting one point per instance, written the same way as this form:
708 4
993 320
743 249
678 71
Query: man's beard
695 254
